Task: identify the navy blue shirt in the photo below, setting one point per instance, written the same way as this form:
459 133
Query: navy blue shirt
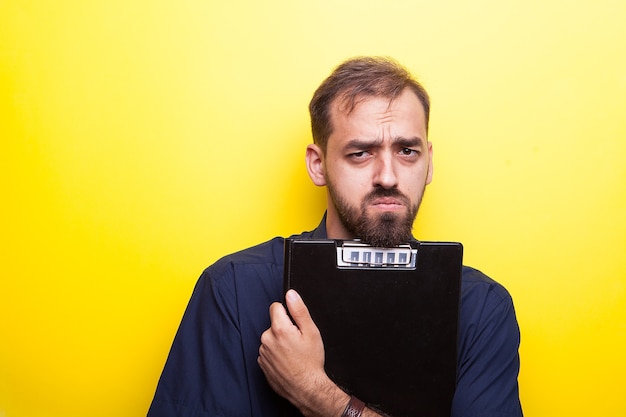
212 366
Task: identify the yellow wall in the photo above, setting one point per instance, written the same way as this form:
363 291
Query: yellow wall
141 140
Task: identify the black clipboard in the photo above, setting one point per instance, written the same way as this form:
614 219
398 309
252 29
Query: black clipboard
388 318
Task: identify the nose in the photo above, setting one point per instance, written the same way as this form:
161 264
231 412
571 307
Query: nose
385 175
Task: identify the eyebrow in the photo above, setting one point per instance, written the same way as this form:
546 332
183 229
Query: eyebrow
414 141
411 142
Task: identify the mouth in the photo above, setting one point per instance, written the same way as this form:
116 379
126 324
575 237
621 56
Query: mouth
387 203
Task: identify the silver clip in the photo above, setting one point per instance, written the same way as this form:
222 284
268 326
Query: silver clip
356 254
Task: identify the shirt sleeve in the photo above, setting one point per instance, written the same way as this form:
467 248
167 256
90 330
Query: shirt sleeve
489 363
205 371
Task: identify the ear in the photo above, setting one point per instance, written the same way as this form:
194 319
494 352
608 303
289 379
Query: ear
315 164
429 176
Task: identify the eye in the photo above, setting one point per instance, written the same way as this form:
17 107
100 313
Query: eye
408 152
358 155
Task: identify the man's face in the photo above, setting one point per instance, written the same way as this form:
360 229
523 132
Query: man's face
378 162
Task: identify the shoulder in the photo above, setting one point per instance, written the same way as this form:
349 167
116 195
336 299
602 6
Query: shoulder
270 253
262 263
248 280
487 316
267 253
252 270
250 277
476 286
486 308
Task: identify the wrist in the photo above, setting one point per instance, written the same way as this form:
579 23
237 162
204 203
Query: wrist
354 408
321 399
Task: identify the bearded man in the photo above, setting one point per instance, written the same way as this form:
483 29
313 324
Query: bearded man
230 357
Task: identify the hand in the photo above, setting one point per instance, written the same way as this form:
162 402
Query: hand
292 358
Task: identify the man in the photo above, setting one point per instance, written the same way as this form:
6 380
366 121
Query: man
230 358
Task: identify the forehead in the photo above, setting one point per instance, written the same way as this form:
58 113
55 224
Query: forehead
354 117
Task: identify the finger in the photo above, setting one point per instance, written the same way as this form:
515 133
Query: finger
299 311
278 316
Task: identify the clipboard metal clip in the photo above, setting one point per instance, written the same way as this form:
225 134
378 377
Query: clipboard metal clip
355 254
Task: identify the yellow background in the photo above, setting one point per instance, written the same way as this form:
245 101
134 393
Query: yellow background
141 140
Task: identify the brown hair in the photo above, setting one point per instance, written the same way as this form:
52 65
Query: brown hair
355 79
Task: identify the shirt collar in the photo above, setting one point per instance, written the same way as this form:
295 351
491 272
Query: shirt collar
320 230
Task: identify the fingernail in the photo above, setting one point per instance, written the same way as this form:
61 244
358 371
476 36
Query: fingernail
292 295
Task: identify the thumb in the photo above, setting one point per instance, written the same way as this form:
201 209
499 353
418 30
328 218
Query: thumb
298 311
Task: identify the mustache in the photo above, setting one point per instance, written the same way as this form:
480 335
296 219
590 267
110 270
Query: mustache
386 192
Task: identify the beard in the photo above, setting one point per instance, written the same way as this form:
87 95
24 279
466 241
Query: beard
384 230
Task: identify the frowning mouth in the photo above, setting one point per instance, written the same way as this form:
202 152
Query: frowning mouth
387 201
387 204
